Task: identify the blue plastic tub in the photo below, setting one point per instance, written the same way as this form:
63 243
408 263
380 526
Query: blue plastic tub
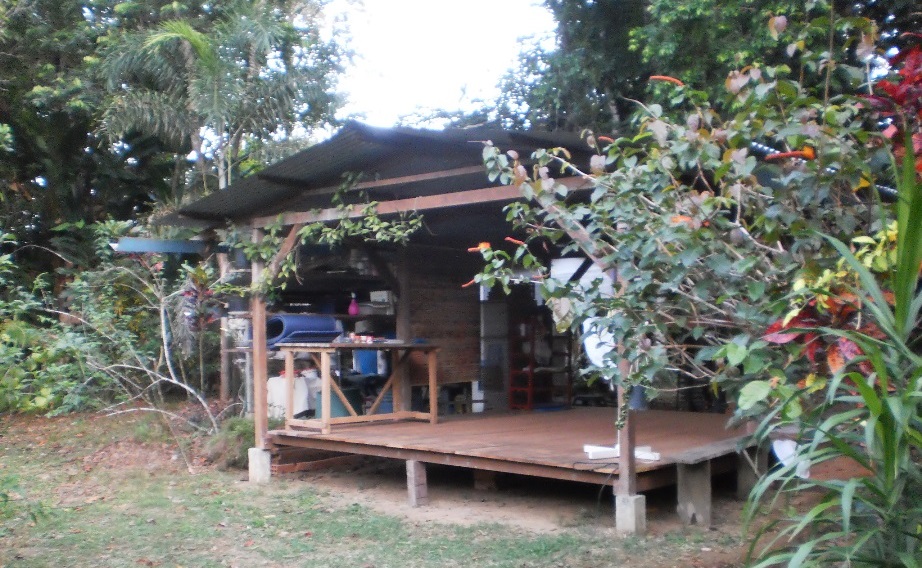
290 328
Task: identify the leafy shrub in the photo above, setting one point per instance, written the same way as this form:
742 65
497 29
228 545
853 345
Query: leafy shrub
42 361
228 447
871 413
709 243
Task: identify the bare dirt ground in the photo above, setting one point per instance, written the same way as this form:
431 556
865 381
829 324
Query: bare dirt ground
127 447
539 505
533 505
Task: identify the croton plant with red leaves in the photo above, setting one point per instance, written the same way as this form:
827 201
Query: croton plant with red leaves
901 101
841 311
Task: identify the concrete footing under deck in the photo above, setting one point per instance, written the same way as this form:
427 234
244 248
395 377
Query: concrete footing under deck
550 445
260 465
630 514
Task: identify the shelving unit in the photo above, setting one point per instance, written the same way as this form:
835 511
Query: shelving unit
532 382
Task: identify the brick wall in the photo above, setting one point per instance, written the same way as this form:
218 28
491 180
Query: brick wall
444 313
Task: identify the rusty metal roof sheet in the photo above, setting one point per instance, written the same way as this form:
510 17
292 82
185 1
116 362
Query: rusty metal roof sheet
304 180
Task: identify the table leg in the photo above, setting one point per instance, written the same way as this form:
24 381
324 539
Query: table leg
290 383
400 378
433 388
326 378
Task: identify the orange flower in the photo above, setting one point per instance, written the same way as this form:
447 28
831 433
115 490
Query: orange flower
668 79
480 247
808 153
515 241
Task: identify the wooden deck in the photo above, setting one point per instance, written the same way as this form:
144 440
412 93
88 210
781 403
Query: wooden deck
543 444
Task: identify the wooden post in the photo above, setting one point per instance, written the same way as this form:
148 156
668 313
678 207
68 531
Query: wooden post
226 362
258 314
627 438
289 385
326 377
694 493
433 363
627 462
260 357
402 390
417 489
630 508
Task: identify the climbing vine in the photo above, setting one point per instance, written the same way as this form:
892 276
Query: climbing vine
356 219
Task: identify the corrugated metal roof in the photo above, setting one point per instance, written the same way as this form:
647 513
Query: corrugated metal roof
302 181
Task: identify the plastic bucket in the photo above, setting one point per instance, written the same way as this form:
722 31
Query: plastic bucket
354 396
387 404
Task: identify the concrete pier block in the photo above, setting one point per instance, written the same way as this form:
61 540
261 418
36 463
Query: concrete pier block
260 465
630 514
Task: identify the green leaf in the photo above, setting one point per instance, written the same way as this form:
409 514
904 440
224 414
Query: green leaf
753 393
736 353
753 364
868 283
756 290
847 494
909 240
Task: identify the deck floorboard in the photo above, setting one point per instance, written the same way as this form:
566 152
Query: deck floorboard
548 444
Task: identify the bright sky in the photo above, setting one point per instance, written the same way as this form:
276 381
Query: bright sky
413 55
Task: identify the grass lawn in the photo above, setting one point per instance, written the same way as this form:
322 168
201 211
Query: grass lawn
99 491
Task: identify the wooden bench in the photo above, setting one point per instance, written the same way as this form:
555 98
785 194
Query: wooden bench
694 476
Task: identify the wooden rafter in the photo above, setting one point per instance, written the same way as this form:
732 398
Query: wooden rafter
377 183
424 203
289 243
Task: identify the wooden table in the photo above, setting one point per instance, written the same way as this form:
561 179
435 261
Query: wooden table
397 381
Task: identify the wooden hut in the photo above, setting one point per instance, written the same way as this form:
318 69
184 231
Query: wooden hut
440 333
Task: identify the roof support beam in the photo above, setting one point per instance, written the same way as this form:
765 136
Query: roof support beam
288 244
386 182
456 199
373 183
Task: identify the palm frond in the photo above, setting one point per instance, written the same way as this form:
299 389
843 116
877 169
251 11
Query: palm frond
155 113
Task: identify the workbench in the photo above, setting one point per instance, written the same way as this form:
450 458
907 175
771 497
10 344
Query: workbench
397 383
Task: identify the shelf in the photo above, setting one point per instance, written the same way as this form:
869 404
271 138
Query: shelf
361 317
531 384
342 317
